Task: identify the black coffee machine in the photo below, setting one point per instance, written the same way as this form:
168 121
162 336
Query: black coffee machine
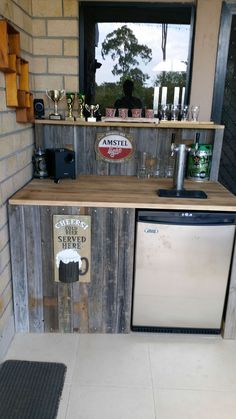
60 163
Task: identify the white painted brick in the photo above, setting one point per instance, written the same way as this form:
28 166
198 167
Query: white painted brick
47 46
6 146
26 139
26 5
3 106
2 79
39 65
39 27
22 177
7 190
4 237
8 121
63 66
5 278
48 82
71 47
62 28
3 215
26 42
25 157
5 298
70 8
4 256
47 8
72 83
6 9
21 19
4 320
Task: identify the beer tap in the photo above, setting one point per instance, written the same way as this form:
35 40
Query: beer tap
181 151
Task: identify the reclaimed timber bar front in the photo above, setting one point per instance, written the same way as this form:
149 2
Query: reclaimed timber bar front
104 304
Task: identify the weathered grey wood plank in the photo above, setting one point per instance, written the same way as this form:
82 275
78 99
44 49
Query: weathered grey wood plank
50 292
218 142
110 274
80 298
19 267
65 320
98 259
125 270
34 268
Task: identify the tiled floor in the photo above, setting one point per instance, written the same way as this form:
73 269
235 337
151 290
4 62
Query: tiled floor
139 376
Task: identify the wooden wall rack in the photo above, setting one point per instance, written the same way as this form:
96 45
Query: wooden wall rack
16 71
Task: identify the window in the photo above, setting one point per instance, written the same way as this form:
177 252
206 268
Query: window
163 30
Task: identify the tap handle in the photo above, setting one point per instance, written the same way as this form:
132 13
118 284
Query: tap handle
172 147
197 143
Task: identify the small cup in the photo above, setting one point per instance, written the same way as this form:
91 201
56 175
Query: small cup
110 112
123 113
136 113
149 113
195 113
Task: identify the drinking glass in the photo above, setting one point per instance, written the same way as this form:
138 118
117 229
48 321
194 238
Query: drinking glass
165 110
185 113
174 112
169 166
142 171
195 112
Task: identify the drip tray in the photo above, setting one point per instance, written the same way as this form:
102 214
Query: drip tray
174 193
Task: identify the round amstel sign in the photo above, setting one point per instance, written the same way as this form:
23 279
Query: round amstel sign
114 146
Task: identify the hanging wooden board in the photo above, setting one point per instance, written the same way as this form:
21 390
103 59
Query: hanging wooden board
72 244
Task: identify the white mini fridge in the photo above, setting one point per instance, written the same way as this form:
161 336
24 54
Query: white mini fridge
182 264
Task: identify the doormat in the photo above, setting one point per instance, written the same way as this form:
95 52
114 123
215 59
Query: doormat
30 390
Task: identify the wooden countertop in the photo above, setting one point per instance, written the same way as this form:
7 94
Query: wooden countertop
121 191
163 124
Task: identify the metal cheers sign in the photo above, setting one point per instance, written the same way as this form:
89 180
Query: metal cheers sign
72 243
114 146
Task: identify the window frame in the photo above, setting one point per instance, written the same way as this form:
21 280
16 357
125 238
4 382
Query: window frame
96 12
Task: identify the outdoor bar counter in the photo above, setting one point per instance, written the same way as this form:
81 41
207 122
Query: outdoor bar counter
102 305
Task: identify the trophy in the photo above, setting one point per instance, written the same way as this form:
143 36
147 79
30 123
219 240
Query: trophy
91 109
70 98
55 96
81 101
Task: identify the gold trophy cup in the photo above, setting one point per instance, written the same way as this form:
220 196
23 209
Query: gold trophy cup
55 96
81 102
70 98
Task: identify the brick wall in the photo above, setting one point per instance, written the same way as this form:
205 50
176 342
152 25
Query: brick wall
55 47
16 146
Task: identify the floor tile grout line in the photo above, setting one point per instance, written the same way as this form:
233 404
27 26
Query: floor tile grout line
153 388
70 384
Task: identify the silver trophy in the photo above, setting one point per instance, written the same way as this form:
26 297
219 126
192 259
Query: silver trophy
55 96
91 109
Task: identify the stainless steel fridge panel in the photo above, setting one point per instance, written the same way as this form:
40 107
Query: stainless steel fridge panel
181 274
